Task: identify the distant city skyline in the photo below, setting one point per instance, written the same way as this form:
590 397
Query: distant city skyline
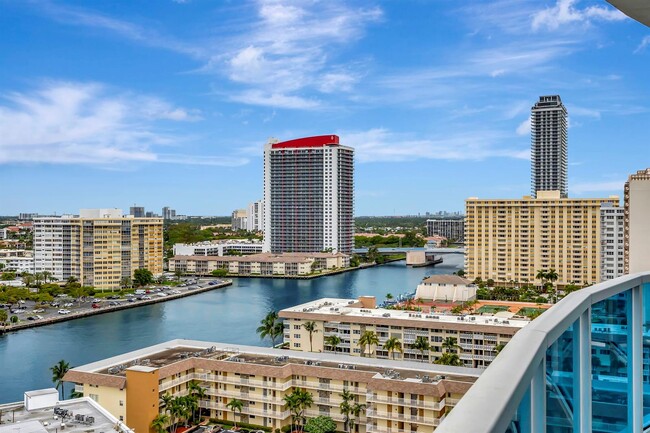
106 105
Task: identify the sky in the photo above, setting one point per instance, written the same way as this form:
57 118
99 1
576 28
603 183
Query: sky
170 102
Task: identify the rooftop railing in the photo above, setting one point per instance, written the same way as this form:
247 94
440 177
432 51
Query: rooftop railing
582 366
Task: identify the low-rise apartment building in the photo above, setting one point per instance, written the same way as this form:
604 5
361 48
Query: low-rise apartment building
100 247
219 248
17 260
399 396
510 240
477 337
265 264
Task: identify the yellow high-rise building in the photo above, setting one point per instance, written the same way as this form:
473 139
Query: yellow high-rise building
510 240
99 247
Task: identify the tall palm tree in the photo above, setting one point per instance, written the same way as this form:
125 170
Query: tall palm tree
541 275
389 296
310 327
293 405
305 400
46 275
368 339
450 344
235 405
346 408
159 423
58 371
393 345
333 340
197 392
357 408
449 359
270 326
422 344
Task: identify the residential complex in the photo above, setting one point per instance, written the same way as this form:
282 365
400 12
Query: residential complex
238 220
100 247
400 396
450 228
168 213
548 155
348 319
222 247
308 195
445 288
265 264
255 216
637 226
510 240
612 233
17 260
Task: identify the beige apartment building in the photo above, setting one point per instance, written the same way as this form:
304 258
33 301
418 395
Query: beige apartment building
509 240
99 247
400 397
637 222
477 336
261 264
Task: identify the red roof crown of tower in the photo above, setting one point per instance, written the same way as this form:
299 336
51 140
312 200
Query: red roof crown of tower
317 141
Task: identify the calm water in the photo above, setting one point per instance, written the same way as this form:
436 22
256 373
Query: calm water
226 315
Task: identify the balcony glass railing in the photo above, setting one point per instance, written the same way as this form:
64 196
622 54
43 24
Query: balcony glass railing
583 366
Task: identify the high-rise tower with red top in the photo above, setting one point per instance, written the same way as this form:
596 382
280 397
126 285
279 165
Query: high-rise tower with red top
308 195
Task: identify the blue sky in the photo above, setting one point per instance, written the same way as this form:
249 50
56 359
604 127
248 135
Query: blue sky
106 104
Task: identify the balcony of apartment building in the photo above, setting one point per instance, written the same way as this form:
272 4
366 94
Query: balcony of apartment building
578 368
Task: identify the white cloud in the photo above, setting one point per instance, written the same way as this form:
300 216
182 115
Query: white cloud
81 123
275 99
565 12
645 42
382 145
606 186
524 127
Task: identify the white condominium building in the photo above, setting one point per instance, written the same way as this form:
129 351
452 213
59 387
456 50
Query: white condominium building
100 247
255 216
308 195
548 153
219 248
612 233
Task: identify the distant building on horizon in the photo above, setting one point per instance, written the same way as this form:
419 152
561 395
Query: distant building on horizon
308 195
255 216
637 222
548 153
137 211
168 213
238 219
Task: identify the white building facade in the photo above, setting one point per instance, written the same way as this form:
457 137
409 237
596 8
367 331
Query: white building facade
612 235
637 226
255 216
308 195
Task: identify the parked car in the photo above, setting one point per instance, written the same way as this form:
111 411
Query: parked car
64 311
54 304
97 300
38 310
68 304
96 305
146 298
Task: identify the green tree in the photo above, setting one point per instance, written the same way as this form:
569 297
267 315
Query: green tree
422 344
160 422
235 405
389 296
59 370
198 392
310 326
449 359
320 424
142 277
356 411
126 283
178 274
13 319
345 408
219 273
450 344
393 345
8 276
368 339
271 327
333 341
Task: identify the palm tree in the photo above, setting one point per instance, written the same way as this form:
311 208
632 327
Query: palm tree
235 405
357 408
422 344
159 422
292 403
197 392
305 400
333 340
450 344
449 359
393 345
270 327
369 339
389 296
58 371
310 327
499 347
46 275
346 408
541 275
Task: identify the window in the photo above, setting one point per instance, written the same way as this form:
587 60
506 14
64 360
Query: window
296 335
296 344
121 402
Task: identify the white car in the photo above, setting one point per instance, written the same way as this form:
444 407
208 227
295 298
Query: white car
63 311
68 304
146 298
161 295
38 310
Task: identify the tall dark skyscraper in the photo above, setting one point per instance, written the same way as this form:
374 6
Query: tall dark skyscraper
308 195
549 158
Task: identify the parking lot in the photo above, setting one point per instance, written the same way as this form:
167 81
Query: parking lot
65 307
